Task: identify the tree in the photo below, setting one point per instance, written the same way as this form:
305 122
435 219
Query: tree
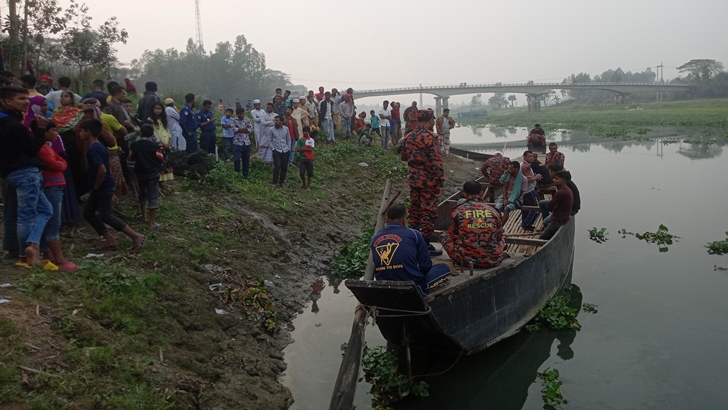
498 100
701 69
512 98
476 100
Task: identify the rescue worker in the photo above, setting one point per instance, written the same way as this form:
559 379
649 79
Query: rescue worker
475 233
420 149
493 169
401 254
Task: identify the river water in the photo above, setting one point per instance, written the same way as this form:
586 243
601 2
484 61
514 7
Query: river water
659 338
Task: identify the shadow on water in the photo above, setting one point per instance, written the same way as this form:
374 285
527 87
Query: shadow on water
497 378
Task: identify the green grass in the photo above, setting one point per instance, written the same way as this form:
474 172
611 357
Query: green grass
615 121
116 314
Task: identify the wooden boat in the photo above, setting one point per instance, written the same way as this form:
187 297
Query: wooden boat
478 307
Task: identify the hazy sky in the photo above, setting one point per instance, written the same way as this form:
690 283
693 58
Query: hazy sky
378 43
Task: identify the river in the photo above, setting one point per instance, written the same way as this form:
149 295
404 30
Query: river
658 339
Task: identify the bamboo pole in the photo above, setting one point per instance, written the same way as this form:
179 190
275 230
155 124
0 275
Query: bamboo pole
342 397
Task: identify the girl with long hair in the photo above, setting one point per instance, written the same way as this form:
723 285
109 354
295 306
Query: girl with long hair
158 117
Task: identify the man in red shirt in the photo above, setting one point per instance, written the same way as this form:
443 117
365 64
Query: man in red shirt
559 205
396 124
320 95
554 156
537 139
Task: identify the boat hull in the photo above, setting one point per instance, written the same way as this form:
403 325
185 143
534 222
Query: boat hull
478 312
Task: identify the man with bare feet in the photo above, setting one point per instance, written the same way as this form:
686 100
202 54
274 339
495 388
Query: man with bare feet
21 166
305 146
98 206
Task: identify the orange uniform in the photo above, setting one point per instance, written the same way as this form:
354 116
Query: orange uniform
475 234
426 177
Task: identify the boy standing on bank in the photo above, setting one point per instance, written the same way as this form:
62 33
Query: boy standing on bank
148 157
305 146
98 206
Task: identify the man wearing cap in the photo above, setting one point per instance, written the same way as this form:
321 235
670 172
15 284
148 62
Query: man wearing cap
188 123
144 108
257 113
420 149
444 124
336 98
44 84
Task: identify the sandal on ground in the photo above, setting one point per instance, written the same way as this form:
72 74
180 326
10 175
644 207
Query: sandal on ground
155 227
48 265
23 265
69 266
138 245
10 261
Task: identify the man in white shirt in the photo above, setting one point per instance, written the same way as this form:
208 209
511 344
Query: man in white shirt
257 113
336 99
385 114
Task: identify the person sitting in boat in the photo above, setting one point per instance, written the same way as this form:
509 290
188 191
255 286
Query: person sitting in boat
476 233
559 205
401 254
537 139
514 186
493 168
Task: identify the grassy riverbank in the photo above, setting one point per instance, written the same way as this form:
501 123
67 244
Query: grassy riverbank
140 331
615 121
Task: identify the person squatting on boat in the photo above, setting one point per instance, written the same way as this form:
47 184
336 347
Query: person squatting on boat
559 205
537 139
421 151
401 254
475 233
493 168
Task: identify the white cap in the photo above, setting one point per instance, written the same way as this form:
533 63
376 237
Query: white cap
256 101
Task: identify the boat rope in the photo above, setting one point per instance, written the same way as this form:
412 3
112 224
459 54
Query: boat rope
373 311
444 371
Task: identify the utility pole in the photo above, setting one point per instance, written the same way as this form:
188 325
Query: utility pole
198 26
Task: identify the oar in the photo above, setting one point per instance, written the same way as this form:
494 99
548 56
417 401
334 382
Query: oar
342 397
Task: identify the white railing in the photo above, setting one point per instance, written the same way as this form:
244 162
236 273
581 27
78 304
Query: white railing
539 85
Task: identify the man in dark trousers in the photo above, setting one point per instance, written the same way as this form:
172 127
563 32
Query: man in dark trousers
188 123
559 205
401 254
206 122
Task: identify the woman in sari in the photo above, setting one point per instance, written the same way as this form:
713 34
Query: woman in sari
159 121
66 116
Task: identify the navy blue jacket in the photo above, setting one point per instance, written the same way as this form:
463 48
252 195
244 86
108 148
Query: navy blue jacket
204 116
401 254
187 121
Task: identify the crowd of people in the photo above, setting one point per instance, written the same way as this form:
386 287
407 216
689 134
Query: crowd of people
61 149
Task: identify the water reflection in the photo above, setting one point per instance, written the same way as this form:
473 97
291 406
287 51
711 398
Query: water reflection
497 378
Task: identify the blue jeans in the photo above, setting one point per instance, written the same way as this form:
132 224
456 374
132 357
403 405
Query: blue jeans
385 136
54 195
227 146
34 210
191 143
346 127
242 152
148 190
528 218
328 126
512 206
10 216
293 152
545 214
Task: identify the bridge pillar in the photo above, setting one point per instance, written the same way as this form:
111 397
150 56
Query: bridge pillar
444 102
438 106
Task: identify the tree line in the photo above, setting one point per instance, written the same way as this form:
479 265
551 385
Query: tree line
44 37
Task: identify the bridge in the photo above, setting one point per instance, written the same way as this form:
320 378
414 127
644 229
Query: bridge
443 93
